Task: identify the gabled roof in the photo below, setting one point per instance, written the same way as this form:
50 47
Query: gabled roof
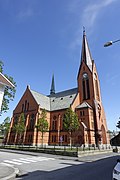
42 100
83 105
63 100
57 101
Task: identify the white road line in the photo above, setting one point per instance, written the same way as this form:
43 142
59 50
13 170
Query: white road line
21 161
51 158
40 159
28 160
6 164
12 162
43 159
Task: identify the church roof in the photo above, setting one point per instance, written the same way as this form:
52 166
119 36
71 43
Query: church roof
42 100
63 100
83 105
57 101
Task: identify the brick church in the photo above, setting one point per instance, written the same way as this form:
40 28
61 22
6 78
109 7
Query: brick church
85 100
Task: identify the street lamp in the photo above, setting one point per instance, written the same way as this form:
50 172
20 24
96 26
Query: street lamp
109 43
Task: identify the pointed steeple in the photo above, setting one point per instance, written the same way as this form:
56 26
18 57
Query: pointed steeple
52 90
85 54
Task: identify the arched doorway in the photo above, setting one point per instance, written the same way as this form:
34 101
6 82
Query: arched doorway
104 139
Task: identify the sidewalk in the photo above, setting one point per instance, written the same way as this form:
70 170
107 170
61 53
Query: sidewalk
7 172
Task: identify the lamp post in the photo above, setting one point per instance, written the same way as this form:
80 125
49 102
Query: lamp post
109 43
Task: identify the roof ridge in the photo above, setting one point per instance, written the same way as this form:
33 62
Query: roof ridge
66 90
39 93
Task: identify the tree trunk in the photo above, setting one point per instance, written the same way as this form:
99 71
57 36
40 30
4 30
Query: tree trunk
16 134
70 139
42 139
36 137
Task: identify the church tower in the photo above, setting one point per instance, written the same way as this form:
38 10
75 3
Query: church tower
89 93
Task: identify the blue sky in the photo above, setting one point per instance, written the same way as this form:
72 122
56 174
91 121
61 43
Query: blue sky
42 37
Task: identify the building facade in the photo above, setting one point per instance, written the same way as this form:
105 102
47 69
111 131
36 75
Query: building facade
85 100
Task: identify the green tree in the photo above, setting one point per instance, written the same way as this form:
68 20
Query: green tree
42 124
4 129
5 126
20 128
70 122
9 93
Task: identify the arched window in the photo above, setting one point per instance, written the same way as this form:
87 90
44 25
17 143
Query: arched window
96 87
22 107
85 86
25 105
32 122
54 125
16 120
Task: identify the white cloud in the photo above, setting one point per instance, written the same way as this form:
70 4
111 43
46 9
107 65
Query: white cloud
87 14
27 9
112 79
25 14
92 11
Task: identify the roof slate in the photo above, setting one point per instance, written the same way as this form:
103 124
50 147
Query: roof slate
41 99
63 100
57 101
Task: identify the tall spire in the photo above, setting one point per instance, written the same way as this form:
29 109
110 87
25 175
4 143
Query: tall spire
86 55
52 90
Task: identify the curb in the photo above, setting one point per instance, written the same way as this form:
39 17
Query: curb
13 175
91 153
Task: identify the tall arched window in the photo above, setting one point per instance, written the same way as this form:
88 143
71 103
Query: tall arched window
32 122
54 123
85 86
96 87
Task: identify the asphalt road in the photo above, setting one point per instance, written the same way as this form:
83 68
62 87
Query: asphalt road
46 167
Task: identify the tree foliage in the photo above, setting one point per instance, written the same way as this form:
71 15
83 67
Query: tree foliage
19 128
70 122
42 124
9 93
5 126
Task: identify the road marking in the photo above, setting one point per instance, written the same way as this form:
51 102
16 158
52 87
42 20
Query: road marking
27 159
43 159
6 164
12 162
21 161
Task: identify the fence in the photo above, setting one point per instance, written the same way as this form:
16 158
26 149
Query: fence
59 149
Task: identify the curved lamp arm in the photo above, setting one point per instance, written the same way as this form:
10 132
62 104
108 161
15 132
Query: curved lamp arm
109 43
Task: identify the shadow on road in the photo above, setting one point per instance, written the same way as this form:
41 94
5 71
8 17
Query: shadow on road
97 170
